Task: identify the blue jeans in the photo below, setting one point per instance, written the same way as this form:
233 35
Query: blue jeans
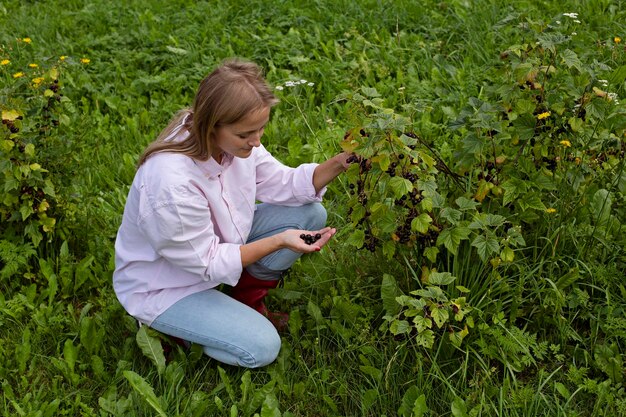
229 331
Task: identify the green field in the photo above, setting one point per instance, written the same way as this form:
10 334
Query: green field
479 267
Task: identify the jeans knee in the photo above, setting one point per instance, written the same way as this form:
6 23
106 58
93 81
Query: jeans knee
316 215
266 350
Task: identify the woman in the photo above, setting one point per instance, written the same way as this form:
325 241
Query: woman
191 222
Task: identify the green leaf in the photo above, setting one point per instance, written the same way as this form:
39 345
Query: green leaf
23 350
541 181
389 290
88 337
532 201
419 408
525 106
451 237
26 210
459 409
382 160
618 76
177 51
145 391
431 253
568 279
577 124
270 407
420 223
227 384
10 115
399 327
601 203
441 278
486 246
400 186
151 347
315 312
356 239
432 292
70 354
513 188
473 144
427 204
609 360
525 126
422 323
514 236
370 92
425 339
83 271
372 371
413 404
465 203
389 248
6 145
507 254
450 214
562 389
570 58
440 315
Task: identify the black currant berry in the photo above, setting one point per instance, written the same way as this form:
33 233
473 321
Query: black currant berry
310 239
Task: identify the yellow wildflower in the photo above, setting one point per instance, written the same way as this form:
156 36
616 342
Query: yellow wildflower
62 57
85 60
566 143
37 81
18 75
577 160
27 40
33 65
550 210
544 115
617 39
5 62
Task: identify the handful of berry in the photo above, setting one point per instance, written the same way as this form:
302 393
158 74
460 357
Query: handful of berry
310 239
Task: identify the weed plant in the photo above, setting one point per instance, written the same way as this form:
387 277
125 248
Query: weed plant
480 261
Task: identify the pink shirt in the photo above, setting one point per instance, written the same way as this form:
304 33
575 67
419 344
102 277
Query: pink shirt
184 221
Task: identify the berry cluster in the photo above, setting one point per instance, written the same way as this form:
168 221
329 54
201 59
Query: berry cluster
310 239
366 186
11 125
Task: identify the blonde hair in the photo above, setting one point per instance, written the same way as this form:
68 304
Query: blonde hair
229 93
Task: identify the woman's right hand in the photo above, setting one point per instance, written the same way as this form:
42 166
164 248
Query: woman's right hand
293 241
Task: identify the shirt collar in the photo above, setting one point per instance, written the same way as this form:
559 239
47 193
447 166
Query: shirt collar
211 168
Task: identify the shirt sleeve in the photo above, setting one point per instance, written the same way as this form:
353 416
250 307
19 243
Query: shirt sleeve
180 230
283 185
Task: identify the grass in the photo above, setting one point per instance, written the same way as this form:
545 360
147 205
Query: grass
68 348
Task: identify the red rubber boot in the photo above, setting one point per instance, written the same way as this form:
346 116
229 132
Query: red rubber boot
251 291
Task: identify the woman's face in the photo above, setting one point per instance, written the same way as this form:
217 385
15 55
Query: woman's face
239 138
